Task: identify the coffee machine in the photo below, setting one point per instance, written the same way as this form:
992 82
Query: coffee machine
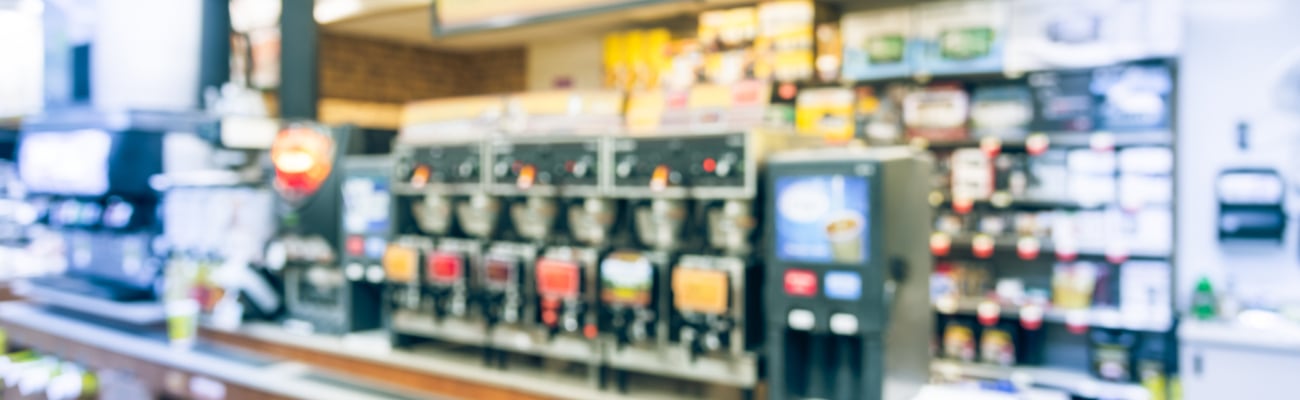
87 175
693 199
847 274
443 220
550 186
329 268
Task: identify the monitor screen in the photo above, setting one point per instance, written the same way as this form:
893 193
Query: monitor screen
365 200
66 163
822 219
626 278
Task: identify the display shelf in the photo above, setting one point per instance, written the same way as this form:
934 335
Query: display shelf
1078 383
1014 204
1006 246
1096 317
1070 140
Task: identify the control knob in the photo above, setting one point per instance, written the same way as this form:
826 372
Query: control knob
625 167
466 169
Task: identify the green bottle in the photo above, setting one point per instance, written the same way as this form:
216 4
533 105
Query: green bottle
1203 303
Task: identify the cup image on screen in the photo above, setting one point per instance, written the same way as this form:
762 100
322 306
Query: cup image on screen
844 232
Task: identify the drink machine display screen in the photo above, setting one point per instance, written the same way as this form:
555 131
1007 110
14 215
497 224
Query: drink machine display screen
366 205
446 268
626 278
822 219
700 290
557 279
400 263
499 273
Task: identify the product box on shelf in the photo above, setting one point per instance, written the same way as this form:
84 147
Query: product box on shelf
1133 96
961 37
1001 110
937 113
825 112
879 44
1063 101
1046 34
727 38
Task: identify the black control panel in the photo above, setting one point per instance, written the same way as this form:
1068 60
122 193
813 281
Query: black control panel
566 163
697 161
449 164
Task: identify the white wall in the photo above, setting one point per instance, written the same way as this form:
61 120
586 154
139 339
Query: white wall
578 58
1232 52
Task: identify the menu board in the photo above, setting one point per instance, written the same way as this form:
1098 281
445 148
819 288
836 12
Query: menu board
822 219
365 202
458 16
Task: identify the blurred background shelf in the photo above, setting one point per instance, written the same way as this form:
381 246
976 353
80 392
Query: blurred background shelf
1097 317
1077 383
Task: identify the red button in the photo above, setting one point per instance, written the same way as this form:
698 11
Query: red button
800 282
356 245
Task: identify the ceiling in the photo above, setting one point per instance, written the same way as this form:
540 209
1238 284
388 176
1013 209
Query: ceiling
411 21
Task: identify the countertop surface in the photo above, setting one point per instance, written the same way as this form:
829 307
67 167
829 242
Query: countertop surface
232 366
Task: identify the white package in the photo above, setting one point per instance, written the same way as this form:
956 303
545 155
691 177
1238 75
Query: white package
1046 34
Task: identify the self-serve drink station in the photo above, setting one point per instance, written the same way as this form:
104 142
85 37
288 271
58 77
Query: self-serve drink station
549 248
682 298
442 220
847 294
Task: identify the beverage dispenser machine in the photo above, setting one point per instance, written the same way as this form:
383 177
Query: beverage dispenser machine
848 274
442 221
683 300
310 169
538 178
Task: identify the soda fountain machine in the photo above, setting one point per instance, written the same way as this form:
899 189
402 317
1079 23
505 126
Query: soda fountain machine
309 166
848 274
693 200
87 176
559 279
443 220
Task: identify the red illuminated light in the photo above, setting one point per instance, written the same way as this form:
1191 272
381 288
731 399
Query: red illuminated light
356 246
303 159
710 165
800 283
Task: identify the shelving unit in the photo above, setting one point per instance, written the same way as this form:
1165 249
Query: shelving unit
1074 382
1096 317
1065 344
